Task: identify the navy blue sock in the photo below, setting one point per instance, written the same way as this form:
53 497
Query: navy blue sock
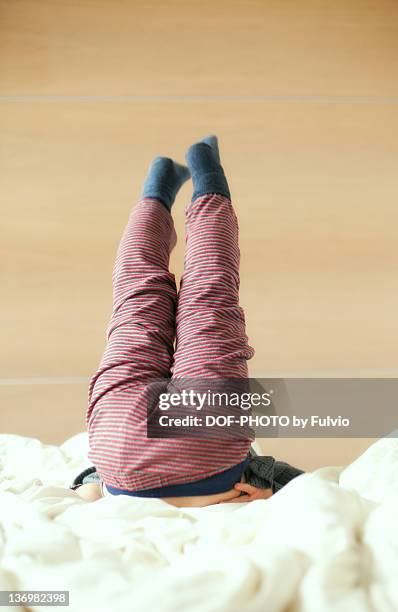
203 159
163 180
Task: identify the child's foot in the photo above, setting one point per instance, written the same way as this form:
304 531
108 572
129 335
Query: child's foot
203 159
212 141
164 179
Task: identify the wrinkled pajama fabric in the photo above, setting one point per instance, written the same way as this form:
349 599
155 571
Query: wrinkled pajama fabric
156 333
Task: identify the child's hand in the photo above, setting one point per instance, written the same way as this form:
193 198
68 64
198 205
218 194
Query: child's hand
250 493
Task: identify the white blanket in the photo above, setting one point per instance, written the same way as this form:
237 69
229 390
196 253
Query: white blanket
328 542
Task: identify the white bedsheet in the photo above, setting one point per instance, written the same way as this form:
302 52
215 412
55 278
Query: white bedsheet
328 542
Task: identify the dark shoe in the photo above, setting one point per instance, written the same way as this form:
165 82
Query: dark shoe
88 476
267 473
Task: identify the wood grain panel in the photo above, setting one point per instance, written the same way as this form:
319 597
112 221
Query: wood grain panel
200 47
315 190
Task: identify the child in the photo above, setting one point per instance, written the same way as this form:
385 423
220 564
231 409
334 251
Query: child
206 323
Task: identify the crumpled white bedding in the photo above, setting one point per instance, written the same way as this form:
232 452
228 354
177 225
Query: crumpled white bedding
327 542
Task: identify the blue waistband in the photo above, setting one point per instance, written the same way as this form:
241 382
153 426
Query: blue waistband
218 483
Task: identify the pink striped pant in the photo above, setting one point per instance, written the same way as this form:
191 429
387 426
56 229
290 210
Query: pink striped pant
205 322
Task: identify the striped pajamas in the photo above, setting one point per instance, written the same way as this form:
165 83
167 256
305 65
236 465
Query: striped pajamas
204 320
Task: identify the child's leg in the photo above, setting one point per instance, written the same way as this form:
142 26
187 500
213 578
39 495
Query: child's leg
211 338
140 333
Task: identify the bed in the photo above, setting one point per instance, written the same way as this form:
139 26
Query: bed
327 542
